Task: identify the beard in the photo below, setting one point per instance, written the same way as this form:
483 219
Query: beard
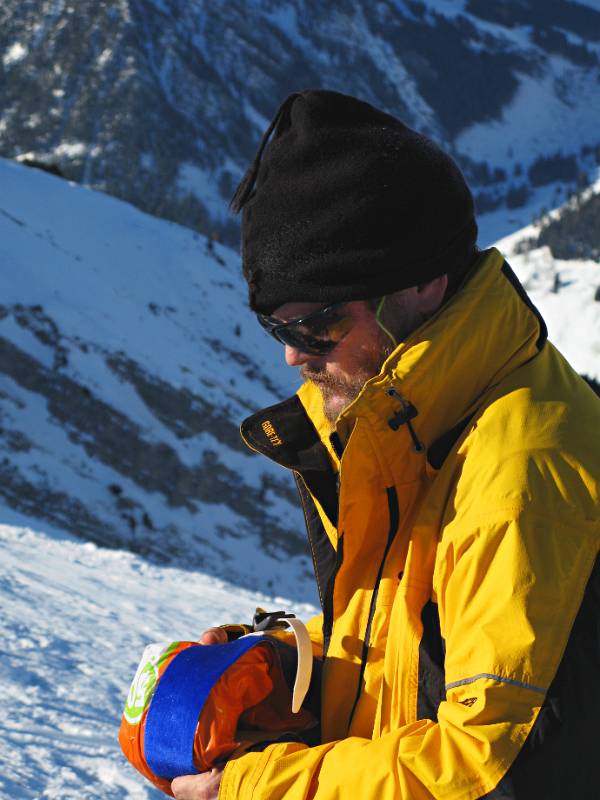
338 391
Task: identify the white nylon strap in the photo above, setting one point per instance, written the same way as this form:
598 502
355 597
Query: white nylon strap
305 662
305 659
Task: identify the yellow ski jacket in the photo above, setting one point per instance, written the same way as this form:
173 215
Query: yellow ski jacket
454 520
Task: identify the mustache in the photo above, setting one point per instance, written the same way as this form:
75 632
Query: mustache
322 378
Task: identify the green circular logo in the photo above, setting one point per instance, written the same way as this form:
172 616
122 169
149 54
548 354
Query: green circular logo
143 684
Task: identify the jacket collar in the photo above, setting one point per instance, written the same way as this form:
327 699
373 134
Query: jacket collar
442 371
487 330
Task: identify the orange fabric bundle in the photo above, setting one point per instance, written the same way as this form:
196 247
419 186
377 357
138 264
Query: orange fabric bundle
250 702
133 721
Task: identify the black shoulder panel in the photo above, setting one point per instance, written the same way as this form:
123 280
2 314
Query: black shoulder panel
323 552
432 653
514 281
560 756
286 434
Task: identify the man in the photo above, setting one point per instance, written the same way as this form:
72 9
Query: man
448 462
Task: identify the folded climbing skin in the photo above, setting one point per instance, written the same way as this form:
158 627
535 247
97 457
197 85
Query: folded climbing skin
191 706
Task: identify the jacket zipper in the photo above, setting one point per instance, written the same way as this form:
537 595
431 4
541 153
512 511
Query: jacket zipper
394 511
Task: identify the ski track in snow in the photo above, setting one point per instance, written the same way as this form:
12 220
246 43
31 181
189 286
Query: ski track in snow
75 620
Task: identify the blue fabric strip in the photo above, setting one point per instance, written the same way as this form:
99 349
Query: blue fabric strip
178 701
495 678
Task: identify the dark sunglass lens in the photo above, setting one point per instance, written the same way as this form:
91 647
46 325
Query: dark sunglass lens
317 333
304 342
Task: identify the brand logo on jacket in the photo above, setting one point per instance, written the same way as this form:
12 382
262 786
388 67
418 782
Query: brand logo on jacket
470 701
271 433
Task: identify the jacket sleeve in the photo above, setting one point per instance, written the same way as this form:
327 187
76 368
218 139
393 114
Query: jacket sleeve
499 587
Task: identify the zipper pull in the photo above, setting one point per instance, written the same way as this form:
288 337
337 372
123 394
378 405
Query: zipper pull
404 417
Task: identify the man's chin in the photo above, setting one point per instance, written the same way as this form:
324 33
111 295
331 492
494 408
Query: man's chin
334 401
333 404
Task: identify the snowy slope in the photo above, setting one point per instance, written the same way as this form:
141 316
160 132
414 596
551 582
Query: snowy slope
567 292
127 361
75 620
564 291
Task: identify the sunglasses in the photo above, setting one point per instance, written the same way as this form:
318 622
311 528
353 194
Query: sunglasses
316 333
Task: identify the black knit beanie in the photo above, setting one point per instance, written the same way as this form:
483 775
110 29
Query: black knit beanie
348 203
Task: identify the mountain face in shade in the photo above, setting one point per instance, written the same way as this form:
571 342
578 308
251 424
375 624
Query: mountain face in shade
162 102
128 359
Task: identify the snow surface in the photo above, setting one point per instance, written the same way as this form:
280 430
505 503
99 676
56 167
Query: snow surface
564 292
75 620
528 123
200 183
15 53
595 4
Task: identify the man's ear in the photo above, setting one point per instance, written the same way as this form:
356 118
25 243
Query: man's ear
431 295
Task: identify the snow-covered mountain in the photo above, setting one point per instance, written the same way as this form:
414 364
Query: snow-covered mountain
127 361
565 288
162 102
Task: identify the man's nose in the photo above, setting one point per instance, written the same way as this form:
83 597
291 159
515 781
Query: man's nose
295 357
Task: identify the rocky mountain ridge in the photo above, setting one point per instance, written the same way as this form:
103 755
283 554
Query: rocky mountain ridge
162 102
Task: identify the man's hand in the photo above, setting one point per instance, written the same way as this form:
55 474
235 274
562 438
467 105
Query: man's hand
213 636
198 787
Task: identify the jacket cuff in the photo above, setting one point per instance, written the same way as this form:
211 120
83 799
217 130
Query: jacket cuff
241 775
234 631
